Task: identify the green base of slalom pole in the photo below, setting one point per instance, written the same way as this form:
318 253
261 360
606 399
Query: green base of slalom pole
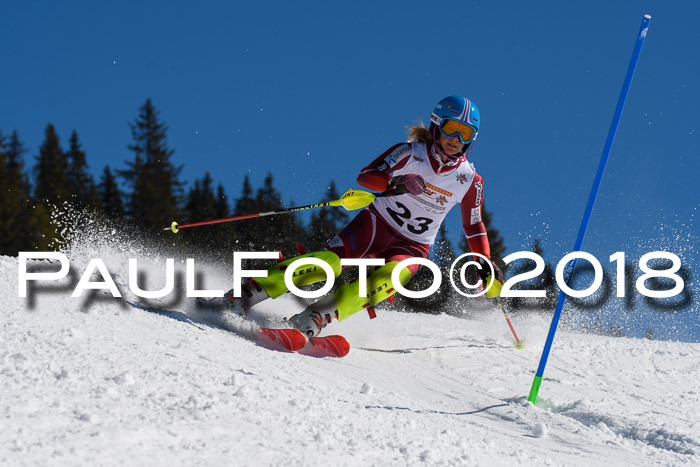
535 389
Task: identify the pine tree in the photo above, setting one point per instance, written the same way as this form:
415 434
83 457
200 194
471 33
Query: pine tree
193 201
156 189
17 231
443 253
82 185
110 195
275 233
137 177
326 222
266 230
201 201
225 236
10 202
25 224
245 204
32 230
51 188
15 166
52 180
201 205
221 207
340 217
496 241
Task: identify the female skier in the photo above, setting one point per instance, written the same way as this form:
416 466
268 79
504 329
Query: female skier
424 179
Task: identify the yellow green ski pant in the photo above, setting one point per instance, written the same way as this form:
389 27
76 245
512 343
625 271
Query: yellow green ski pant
347 296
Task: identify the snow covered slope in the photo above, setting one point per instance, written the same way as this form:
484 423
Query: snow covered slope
100 382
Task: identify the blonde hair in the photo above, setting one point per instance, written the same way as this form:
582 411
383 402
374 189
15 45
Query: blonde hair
419 132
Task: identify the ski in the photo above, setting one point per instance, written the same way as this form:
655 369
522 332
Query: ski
293 340
282 340
286 339
277 339
327 346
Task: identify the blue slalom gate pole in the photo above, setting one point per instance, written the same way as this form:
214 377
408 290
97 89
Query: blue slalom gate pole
569 270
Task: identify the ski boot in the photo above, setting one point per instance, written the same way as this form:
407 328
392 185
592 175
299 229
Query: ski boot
315 317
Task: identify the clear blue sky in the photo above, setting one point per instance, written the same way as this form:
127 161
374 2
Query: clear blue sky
313 91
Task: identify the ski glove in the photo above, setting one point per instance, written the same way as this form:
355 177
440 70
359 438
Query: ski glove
409 183
485 271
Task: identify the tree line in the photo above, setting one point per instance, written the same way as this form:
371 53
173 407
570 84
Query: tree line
148 193
143 197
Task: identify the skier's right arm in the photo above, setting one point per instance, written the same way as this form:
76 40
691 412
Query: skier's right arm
376 175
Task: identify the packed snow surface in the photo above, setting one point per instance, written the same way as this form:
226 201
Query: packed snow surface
95 381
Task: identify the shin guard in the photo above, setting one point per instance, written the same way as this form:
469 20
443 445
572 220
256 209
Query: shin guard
379 288
304 275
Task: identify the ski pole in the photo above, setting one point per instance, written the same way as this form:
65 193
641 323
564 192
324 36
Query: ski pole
519 344
351 200
569 269
494 291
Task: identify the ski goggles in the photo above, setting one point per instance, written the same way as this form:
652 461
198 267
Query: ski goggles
450 128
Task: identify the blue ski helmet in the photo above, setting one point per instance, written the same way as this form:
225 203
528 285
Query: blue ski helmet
456 108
